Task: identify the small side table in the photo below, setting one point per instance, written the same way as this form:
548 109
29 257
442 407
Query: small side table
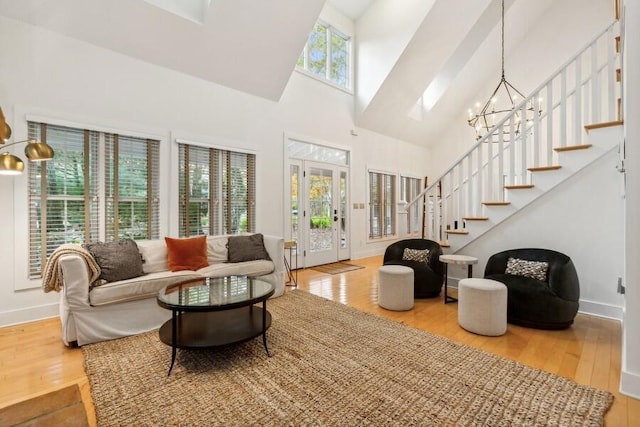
455 259
292 276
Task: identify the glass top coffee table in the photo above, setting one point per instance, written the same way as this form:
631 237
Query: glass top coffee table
211 312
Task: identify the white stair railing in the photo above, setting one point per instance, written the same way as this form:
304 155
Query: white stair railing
582 91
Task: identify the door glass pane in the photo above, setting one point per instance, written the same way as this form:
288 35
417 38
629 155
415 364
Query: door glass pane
321 220
307 151
343 210
295 201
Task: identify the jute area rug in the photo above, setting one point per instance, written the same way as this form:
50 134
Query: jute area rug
330 365
336 267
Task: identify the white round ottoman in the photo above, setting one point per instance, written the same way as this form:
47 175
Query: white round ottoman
395 287
482 306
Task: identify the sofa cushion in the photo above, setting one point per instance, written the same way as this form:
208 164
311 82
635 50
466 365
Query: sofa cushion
137 288
217 249
247 248
187 254
247 268
118 260
154 256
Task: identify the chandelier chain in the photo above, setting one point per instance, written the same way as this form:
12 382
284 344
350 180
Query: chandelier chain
484 120
503 39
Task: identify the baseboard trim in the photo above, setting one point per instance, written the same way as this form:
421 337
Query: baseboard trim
607 311
29 314
589 308
630 384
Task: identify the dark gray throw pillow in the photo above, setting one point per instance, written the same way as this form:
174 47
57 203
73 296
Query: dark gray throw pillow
118 260
246 248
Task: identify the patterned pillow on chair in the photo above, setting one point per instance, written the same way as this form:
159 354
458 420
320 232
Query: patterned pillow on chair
419 255
533 269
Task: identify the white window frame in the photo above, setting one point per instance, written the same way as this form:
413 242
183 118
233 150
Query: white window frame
393 206
415 207
23 115
175 188
331 30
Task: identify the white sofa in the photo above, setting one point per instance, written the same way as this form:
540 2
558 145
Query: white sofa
129 307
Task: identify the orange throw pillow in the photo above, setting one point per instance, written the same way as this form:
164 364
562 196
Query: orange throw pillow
187 254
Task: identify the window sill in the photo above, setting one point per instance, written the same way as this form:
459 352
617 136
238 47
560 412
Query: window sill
325 81
382 239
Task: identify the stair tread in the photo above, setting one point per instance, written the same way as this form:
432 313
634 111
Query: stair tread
519 186
496 203
457 231
572 148
475 218
603 125
444 243
544 168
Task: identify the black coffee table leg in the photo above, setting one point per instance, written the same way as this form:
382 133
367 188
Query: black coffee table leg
174 334
264 326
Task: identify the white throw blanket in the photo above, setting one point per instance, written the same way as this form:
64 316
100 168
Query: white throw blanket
52 273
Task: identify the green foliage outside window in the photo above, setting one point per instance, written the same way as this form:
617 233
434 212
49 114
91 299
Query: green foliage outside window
326 55
322 222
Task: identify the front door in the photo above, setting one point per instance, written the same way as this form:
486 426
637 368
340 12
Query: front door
324 220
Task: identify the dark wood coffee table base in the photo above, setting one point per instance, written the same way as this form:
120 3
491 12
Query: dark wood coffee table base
214 328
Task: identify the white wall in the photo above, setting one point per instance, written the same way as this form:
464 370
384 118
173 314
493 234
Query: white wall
582 218
630 376
51 75
383 33
568 26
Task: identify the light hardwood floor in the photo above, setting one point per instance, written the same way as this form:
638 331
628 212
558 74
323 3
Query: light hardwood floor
34 361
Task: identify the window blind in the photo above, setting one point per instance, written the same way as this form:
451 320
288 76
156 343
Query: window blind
63 192
382 200
131 187
410 188
216 191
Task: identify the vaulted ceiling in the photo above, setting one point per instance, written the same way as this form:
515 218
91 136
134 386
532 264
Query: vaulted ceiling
450 47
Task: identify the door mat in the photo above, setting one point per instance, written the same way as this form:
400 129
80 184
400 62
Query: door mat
336 267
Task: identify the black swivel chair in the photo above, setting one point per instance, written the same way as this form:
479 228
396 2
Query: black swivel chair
548 304
427 276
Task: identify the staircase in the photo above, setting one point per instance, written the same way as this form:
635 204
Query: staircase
574 119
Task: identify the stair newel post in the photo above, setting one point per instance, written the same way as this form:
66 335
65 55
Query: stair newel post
549 142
